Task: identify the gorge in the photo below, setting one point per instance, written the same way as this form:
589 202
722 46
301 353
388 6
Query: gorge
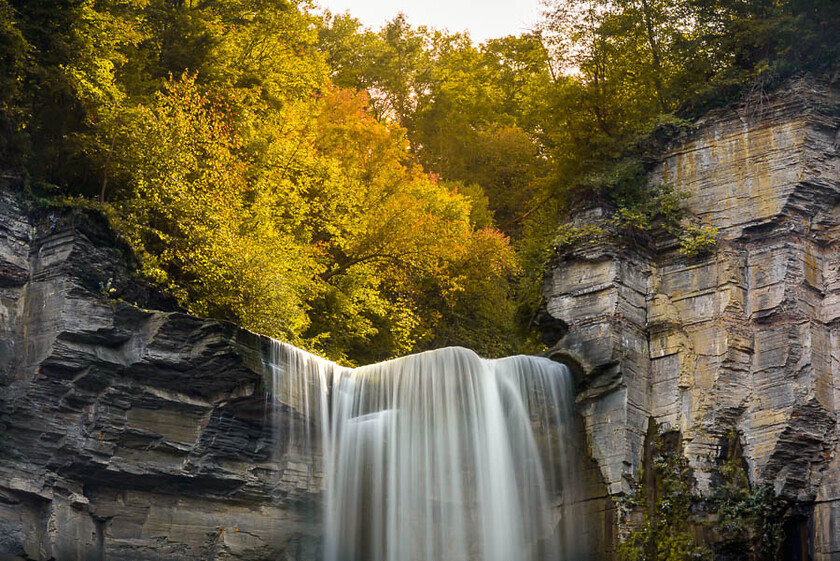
138 434
130 430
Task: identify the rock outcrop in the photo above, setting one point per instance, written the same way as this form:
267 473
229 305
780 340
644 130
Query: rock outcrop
126 433
743 340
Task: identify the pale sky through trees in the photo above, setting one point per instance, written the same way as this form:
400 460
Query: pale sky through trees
484 19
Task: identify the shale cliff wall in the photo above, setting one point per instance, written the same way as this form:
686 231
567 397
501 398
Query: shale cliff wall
125 433
744 340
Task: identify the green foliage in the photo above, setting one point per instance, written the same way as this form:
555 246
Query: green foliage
665 498
14 50
745 520
640 210
467 109
749 517
637 69
659 206
395 63
480 214
698 240
535 250
192 211
306 224
249 186
107 289
569 236
360 192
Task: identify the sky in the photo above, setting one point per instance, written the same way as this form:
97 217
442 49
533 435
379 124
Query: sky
484 19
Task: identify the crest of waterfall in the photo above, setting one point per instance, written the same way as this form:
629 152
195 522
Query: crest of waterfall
439 456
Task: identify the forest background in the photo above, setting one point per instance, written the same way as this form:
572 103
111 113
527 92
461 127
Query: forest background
368 193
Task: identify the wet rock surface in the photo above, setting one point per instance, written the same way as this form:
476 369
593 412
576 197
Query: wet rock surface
127 433
744 339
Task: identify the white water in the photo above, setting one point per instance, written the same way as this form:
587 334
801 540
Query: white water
440 456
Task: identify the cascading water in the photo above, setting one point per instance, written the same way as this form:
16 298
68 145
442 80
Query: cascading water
439 456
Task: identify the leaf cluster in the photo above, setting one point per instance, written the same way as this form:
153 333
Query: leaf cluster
742 520
666 499
750 516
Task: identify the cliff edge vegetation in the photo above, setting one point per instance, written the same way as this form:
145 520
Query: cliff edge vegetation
367 193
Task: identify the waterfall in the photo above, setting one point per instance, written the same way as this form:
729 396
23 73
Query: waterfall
438 456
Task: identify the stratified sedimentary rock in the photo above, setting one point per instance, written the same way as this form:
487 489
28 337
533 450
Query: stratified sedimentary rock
126 433
744 339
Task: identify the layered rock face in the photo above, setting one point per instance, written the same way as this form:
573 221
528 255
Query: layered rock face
742 341
126 433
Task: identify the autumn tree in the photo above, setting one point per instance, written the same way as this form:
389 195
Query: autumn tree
361 192
312 224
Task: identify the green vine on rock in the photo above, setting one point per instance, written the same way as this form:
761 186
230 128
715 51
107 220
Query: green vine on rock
660 207
737 521
664 495
569 236
638 217
749 516
697 241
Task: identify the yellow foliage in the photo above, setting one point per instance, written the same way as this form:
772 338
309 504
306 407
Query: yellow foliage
309 222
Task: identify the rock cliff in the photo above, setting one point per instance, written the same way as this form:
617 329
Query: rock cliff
741 341
127 433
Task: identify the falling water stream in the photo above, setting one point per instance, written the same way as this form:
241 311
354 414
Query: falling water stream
439 456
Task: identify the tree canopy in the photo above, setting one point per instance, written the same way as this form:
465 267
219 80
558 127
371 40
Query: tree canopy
367 193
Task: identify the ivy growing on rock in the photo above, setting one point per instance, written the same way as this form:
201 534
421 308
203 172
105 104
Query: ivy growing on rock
664 497
750 516
667 521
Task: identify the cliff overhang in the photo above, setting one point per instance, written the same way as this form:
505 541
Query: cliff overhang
129 429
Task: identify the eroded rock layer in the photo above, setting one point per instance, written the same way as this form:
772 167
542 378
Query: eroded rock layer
127 433
743 340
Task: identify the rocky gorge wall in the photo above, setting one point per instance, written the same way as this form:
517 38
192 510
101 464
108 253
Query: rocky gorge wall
741 341
128 433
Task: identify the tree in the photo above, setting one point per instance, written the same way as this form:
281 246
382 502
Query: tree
396 239
14 51
194 215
